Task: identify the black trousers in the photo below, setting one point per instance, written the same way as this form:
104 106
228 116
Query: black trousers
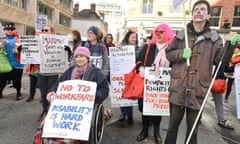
16 76
33 85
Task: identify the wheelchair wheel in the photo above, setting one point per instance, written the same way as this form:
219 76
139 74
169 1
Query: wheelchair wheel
97 125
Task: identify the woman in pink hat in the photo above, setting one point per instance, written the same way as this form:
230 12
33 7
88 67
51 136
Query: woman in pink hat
84 70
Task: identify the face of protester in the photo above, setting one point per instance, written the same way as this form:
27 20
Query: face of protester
160 36
91 36
81 60
200 13
46 30
236 50
9 31
132 40
74 37
109 39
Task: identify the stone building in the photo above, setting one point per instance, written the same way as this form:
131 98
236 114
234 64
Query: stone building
87 17
22 13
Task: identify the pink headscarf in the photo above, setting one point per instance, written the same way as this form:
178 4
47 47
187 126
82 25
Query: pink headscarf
168 35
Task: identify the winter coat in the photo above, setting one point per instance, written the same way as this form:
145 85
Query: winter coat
93 74
12 56
99 50
189 85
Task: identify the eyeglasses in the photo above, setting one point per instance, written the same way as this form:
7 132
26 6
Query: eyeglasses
9 29
44 30
158 33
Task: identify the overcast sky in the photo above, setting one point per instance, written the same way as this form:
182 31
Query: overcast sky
86 3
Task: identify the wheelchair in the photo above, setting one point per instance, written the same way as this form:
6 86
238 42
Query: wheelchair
95 135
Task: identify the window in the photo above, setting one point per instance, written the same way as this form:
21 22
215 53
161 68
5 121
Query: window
236 16
17 3
64 20
66 3
147 7
215 16
44 10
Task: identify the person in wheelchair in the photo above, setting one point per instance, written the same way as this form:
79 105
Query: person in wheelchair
85 70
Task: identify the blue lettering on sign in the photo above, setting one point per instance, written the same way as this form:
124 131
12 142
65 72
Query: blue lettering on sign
72 116
66 125
75 109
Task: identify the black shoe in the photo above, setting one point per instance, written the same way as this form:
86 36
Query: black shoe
18 98
157 136
130 122
143 134
1 96
29 99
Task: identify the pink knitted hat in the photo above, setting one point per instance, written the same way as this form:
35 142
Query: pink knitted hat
82 51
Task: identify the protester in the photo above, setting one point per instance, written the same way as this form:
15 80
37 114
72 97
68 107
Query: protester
108 41
162 37
77 41
97 48
229 70
131 38
189 84
13 49
31 70
218 96
46 80
84 70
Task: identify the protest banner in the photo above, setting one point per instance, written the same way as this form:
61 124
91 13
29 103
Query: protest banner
40 21
53 55
122 60
156 92
237 88
30 53
97 61
70 113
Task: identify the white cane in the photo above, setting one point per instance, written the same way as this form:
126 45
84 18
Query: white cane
206 96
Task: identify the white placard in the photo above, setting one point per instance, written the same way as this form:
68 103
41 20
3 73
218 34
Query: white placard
97 61
53 55
122 60
70 113
156 92
237 88
30 53
40 21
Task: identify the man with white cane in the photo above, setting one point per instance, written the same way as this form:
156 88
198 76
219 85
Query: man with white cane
190 83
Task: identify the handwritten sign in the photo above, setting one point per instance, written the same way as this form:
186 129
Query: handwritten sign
70 113
53 55
156 92
40 21
122 60
237 88
97 61
30 53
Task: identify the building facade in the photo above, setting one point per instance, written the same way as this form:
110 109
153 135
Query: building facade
114 14
23 12
145 15
87 17
225 14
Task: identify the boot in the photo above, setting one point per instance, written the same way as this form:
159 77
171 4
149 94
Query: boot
143 134
157 136
30 98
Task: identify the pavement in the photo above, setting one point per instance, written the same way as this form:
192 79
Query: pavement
18 122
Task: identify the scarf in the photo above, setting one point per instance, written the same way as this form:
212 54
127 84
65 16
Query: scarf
78 72
160 59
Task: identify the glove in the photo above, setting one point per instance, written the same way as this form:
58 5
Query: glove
68 50
234 39
19 49
186 53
